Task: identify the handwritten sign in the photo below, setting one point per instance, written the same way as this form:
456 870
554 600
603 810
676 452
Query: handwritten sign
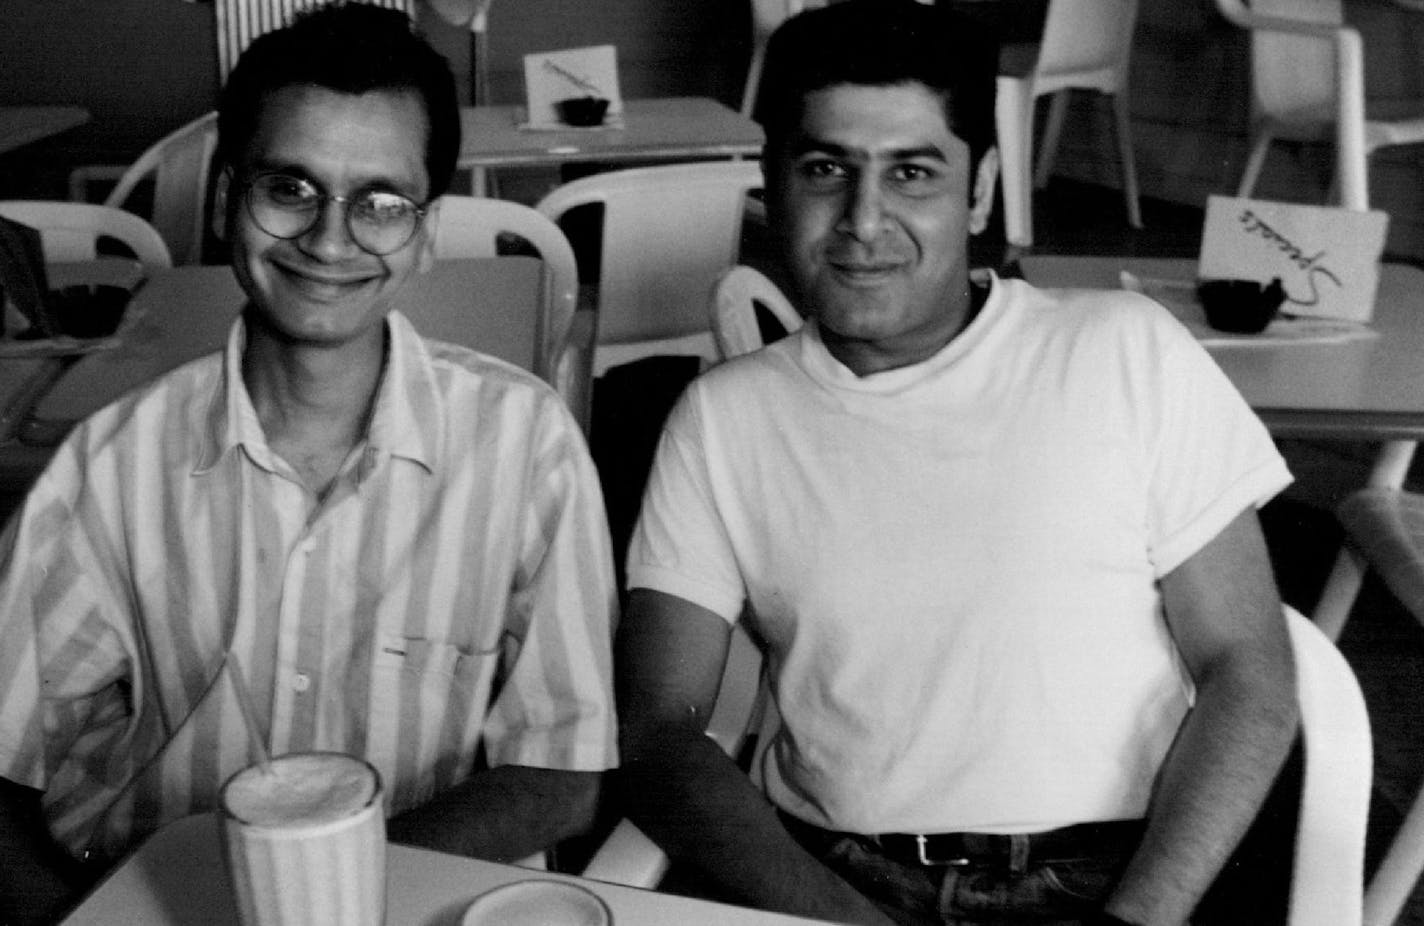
1327 259
551 76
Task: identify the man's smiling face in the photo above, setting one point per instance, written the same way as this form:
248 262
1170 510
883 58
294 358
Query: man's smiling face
321 287
870 194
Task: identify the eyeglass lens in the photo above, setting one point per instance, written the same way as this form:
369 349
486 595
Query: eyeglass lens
379 221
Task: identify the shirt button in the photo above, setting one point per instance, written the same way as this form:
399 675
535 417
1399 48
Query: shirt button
301 681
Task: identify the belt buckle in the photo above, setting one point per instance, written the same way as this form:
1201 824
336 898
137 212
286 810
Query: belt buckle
921 848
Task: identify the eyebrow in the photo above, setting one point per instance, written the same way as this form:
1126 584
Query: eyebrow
810 145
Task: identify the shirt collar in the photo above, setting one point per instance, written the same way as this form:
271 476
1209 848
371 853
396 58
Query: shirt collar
406 422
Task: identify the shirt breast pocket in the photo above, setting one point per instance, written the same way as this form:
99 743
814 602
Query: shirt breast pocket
427 707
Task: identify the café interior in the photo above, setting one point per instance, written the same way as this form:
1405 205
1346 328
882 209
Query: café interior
1171 117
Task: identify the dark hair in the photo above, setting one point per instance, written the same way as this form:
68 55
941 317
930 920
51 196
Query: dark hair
351 48
882 43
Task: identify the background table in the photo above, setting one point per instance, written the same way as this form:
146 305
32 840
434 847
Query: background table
177 878
20 125
1369 390
495 305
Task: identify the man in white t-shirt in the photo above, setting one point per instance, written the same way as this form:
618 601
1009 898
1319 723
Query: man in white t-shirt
999 545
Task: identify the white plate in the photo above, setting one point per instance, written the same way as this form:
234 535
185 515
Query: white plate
538 902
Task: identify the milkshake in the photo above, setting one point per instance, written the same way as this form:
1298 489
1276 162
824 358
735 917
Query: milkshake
305 841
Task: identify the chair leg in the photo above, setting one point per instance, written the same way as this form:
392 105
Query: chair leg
1338 596
1052 134
1013 120
1398 872
1123 125
1260 147
749 92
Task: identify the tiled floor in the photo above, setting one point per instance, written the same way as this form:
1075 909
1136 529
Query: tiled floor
1384 644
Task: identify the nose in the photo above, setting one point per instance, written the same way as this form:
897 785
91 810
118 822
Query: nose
329 239
864 209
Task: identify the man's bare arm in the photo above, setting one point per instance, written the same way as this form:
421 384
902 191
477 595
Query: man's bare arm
502 814
684 791
1224 614
37 880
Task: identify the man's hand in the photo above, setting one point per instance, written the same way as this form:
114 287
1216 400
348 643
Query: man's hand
684 792
502 814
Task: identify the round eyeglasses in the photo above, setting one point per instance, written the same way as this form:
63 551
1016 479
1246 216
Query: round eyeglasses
379 221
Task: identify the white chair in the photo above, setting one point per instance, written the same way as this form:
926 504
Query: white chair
1329 854
1307 79
1085 45
766 16
179 165
71 231
667 232
738 292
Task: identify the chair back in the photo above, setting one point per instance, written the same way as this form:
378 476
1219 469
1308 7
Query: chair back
179 164
240 21
1327 882
1086 43
71 231
766 16
733 310
471 226
1293 76
667 233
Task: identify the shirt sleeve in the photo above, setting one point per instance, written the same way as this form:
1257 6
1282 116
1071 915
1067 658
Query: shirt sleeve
554 706
63 660
1209 457
681 545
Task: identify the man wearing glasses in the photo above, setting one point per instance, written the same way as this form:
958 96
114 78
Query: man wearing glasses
400 542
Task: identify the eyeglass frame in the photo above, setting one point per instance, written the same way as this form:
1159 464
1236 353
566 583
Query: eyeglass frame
323 198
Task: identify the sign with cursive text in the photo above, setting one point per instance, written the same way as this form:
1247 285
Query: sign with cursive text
1327 258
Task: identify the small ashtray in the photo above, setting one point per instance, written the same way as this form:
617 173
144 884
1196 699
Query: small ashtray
582 110
1240 306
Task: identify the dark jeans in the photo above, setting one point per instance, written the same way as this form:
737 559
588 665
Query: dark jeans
1057 892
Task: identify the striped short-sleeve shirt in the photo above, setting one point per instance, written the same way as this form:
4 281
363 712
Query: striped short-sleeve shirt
451 595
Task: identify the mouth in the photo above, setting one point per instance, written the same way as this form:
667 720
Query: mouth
865 272
323 286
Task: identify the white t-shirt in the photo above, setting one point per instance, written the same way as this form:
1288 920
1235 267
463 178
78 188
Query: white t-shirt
954 564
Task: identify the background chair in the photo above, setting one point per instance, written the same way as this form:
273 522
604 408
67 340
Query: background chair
766 16
665 235
178 165
71 231
1086 44
738 292
1329 855
1307 77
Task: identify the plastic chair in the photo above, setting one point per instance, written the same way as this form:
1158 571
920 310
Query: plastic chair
1384 526
1307 77
179 165
667 232
71 231
738 292
1086 44
1329 856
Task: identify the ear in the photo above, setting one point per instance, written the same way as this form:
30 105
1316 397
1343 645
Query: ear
428 230
220 194
986 175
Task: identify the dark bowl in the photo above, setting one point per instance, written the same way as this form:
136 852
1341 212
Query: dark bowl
582 110
1240 306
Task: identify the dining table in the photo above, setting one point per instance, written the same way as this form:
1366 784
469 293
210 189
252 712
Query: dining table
21 125
177 878
497 305
1368 388
663 128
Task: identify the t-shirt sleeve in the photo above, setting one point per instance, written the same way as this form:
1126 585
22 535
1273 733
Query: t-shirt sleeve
554 707
1209 457
680 545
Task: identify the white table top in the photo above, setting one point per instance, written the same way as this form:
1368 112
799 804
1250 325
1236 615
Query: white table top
20 125
494 305
177 878
1361 390
668 127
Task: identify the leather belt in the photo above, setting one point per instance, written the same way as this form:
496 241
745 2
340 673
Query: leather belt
1010 850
